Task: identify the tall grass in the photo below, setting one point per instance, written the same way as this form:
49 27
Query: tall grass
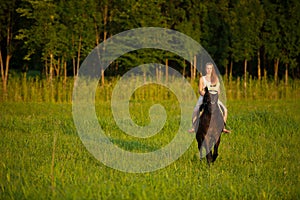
60 91
43 158
261 89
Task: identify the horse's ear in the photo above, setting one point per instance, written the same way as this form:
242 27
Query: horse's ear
206 89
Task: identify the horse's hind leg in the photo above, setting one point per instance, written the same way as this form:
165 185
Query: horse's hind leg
200 148
209 158
216 147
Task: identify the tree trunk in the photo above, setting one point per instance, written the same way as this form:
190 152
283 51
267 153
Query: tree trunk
276 64
105 21
57 67
265 66
230 71
78 55
245 73
167 71
258 66
102 76
73 57
265 74
96 32
97 36
105 15
65 73
286 74
2 74
51 67
226 72
184 66
195 67
4 71
74 66
46 69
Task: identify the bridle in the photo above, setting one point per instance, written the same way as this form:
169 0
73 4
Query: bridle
213 92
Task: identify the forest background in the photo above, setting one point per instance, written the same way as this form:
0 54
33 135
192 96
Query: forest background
248 40
255 45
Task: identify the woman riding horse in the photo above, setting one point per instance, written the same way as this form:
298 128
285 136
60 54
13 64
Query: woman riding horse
211 125
211 81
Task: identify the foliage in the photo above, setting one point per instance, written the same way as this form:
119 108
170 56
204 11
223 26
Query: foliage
245 22
281 30
227 29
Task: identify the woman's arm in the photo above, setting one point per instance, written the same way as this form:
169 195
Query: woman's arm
201 89
219 85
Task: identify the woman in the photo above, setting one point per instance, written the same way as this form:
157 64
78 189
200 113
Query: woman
211 81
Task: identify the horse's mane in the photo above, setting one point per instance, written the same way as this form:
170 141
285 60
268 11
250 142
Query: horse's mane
206 99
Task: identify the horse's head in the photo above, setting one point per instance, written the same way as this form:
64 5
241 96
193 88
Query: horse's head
214 98
206 97
206 101
210 100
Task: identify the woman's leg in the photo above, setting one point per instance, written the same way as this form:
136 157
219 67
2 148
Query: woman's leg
195 115
224 109
224 116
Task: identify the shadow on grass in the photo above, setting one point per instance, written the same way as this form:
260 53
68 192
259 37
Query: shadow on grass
135 146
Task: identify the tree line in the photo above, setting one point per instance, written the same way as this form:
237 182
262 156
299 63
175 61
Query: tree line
257 37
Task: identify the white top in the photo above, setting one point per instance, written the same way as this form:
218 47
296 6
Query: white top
211 88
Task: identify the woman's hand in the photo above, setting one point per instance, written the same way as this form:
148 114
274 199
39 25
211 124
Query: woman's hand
202 92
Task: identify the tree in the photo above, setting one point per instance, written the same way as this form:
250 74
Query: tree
245 26
289 24
281 33
41 36
215 36
82 31
272 35
191 26
135 14
9 23
60 31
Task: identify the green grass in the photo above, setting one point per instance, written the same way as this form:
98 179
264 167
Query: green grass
42 156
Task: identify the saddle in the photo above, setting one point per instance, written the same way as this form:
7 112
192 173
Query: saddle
221 109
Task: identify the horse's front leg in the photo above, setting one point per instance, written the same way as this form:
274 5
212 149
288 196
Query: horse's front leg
200 141
209 156
216 147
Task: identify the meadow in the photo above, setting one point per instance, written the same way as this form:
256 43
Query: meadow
42 156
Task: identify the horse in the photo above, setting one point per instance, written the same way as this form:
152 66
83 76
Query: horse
210 126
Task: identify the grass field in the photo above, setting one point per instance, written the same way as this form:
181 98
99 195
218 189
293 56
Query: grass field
42 156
